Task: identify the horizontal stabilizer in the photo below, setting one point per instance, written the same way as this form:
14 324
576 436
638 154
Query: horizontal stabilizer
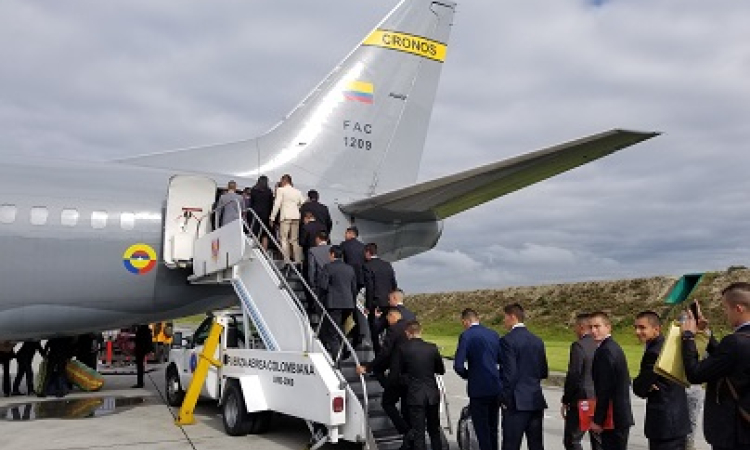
450 195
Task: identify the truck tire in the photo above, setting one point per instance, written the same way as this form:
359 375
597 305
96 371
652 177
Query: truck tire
233 412
175 394
259 422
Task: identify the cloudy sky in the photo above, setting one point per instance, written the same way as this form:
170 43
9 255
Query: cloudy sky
100 80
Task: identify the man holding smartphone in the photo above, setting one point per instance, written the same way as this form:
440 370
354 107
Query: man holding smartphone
726 371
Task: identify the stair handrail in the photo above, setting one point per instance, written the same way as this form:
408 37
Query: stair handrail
344 341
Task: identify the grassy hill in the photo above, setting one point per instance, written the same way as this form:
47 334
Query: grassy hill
550 309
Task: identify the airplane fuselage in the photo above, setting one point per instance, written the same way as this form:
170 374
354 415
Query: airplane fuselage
82 247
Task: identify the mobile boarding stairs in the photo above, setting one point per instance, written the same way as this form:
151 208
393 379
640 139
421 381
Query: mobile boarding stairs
293 374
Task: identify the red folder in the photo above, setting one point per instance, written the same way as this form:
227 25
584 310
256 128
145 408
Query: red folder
586 410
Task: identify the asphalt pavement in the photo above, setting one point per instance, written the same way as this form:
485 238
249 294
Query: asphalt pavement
119 417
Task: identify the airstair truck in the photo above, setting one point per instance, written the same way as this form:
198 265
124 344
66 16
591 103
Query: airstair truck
253 381
271 357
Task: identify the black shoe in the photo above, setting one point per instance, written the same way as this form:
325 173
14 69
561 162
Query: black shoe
16 393
136 386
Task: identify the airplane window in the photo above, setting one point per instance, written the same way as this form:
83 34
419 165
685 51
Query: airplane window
69 217
7 213
98 219
39 215
127 221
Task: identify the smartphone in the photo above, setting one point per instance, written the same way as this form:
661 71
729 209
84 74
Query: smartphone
694 309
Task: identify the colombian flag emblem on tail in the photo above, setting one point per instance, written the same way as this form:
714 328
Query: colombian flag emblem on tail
359 91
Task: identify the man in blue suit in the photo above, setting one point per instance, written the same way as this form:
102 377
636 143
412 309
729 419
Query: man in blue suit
524 365
477 360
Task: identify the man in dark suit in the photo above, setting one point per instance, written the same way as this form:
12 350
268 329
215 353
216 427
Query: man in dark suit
478 361
395 337
318 256
578 385
725 369
380 281
338 284
523 366
396 300
611 385
415 365
319 210
354 253
144 344
307 235
667 421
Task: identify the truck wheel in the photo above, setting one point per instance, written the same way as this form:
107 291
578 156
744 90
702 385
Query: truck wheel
259 422
175 394
234 414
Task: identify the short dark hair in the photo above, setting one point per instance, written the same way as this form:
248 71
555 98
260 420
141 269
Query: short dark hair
601 315
393 311
313 195
354 230
580 318
413 327
322 235
309 214
653 318
286 177
469 314
336 251
515 309
371 248
737 294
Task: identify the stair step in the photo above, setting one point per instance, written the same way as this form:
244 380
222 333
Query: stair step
386 434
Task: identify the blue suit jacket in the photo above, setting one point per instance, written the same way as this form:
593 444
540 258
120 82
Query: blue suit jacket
524 365
479 349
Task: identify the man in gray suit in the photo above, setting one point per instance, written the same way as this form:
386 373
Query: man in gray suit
338 284
230 205
317 257
578 385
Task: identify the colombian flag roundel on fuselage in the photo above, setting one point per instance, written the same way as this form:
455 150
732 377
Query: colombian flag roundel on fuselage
139 259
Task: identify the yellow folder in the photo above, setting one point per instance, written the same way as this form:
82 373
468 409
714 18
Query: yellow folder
669 364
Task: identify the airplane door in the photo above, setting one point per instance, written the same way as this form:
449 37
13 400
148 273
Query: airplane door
189 201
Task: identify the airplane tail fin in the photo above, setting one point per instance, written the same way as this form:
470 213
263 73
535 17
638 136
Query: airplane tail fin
362 129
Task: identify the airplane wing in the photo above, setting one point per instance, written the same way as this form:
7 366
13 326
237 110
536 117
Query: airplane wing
444 197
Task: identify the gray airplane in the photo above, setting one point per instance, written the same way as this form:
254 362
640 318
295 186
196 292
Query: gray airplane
91 246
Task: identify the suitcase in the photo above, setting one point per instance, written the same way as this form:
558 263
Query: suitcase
83 376
466 436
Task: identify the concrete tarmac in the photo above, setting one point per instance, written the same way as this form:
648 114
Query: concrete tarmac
126 418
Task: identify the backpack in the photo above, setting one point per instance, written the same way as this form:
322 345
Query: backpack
466 436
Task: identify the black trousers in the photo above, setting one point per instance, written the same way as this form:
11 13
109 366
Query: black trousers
377 325
418 415
572 434
391 396
140 366
329 336
24 370
668 444
485 414
616 439
516 424
5 358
